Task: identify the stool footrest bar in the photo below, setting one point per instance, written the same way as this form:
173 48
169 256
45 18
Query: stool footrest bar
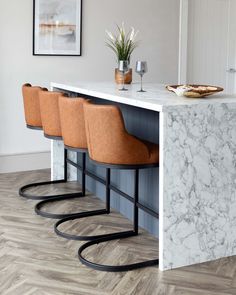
123 194
74 164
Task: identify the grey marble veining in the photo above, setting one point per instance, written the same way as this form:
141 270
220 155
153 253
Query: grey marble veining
199 184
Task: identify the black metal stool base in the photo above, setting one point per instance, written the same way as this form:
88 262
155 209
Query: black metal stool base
79 216
23 190
113 268
41 204
84 214
57 197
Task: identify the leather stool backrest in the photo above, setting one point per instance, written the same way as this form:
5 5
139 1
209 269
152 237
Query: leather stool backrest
49 107
110 143
31 105
106 133
72 122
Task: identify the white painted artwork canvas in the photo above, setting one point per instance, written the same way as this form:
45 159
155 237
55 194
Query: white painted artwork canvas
57 27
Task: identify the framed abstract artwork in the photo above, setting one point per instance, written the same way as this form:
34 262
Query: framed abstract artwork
57 27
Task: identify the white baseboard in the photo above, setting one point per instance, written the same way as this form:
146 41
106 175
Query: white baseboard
24 162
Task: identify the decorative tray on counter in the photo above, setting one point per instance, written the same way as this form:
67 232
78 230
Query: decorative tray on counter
194 90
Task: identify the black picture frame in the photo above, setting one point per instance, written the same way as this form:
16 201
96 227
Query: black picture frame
78 38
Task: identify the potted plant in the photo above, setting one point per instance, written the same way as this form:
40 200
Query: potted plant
122 45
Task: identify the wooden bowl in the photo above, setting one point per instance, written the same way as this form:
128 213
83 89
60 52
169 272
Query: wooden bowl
197 91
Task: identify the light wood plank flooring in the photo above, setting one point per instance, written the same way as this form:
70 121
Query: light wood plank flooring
33 260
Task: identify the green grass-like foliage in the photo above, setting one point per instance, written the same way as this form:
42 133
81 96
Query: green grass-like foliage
122 44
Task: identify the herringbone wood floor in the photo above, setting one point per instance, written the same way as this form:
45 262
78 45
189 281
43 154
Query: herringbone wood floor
33 260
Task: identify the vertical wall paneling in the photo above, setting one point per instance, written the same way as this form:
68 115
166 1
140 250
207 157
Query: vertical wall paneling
208 41
231 62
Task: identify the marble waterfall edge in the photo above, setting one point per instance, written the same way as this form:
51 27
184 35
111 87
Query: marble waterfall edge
199 184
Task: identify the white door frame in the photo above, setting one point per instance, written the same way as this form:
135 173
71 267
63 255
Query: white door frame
183 42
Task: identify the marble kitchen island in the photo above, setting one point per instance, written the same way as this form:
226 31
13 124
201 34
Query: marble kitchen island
194 188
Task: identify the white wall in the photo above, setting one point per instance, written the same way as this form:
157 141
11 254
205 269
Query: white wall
157 21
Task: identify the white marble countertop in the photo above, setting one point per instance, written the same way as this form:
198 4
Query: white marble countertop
156 97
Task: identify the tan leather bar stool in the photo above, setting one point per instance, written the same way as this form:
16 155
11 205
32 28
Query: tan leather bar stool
51 121
33 121
41 109
111 146
31 106
74 137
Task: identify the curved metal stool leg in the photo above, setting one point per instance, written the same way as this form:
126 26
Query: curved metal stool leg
41 204
113 268
23 190
86 214
78 216
120 235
